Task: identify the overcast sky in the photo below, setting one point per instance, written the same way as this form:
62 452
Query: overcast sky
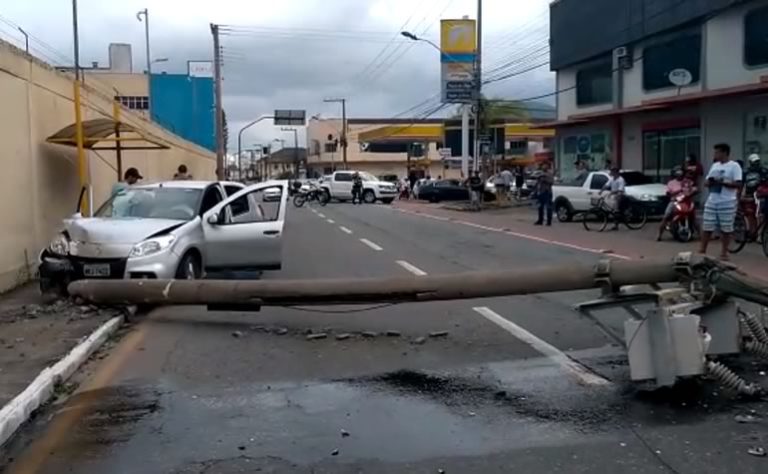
295 53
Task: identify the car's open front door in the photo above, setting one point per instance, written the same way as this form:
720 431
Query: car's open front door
245 231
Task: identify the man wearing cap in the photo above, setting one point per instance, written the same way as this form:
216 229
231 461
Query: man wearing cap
130 177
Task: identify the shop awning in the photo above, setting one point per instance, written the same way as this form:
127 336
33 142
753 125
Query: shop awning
106 134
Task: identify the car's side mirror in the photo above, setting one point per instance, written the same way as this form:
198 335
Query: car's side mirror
214 219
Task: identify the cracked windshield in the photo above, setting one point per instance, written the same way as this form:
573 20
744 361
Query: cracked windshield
384 236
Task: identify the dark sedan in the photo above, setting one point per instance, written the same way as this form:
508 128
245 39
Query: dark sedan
447 190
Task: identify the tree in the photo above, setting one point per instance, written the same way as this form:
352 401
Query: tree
496 109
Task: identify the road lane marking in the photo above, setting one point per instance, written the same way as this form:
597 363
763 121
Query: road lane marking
371 245
345 230
557 243
331 221
313 210
411 268
321 215
582 374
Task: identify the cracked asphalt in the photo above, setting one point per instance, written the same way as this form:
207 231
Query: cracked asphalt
189 391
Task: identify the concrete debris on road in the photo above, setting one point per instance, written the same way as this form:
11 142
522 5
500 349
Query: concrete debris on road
281 331
438 334
335 452
343 336
237 334
757 451
420 340
319 335
745 419
392 333
345 433
370 334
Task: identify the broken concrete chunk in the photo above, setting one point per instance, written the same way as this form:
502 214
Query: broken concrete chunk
420 340
370 334
335 452
393 333
319 335
745 419
343 336
344 434
281 331
757 451
438 334
237 334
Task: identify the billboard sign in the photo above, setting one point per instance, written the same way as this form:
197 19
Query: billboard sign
458 43
296 118
200 68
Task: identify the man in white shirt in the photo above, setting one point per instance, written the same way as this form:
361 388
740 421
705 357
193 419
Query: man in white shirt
724 181
617 187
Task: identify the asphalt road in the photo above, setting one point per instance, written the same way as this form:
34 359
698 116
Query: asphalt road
518 384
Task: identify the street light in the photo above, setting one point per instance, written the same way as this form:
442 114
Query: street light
343 103
295 148
145 13
413 37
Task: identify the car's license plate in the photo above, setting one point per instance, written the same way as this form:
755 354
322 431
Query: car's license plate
96 270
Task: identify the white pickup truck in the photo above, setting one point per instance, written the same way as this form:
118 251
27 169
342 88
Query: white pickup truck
574 196
339 187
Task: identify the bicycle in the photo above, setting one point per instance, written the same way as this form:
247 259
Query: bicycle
597 217
743 232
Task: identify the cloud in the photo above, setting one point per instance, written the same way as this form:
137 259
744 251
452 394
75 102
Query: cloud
302 52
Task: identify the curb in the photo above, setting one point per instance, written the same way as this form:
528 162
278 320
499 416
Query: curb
37 393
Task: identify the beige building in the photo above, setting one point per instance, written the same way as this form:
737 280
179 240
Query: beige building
40 179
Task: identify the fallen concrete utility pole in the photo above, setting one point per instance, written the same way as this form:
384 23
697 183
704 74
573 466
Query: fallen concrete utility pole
564 277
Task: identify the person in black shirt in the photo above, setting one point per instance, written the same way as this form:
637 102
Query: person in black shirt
476 189
357 189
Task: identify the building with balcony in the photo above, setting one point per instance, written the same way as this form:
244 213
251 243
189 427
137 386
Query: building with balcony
658 80
425 147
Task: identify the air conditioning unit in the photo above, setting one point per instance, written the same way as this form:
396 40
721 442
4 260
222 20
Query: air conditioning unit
623 56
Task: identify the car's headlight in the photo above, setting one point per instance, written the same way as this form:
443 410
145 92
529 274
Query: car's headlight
647 197
59 245
152 246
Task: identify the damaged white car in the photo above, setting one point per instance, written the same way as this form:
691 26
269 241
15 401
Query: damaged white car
175 229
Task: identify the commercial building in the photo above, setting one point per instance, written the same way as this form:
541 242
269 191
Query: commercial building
182 103
424 146
658 80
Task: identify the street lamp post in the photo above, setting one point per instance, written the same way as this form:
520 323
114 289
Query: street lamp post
295 148
145 14
343 137
240 140
464 111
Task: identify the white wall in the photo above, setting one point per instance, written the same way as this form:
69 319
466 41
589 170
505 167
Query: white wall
566 101
725 50
724 121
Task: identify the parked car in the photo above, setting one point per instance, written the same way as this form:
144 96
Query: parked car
175 229
529 184
339 187
574 196
447 190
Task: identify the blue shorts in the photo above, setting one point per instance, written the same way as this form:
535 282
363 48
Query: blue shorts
719 216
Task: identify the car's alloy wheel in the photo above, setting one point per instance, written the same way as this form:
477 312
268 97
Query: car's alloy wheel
189 268
369 197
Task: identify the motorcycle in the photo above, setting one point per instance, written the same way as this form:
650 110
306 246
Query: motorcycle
681 226
314 194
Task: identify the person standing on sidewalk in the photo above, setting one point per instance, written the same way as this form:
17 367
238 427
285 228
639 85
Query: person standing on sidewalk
724 182
476 189
544 193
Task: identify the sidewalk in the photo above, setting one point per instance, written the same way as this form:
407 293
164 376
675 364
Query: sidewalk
623 243
34 337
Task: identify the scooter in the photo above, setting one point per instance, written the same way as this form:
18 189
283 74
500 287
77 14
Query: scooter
681 226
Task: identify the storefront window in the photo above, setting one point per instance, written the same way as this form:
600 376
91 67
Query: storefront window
592 148
665 149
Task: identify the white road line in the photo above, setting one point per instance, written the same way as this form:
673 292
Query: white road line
321 215
314 210
411 268
582 374
371 245
520 235
331 221
345 230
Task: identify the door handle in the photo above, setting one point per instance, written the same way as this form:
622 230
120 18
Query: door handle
271 232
